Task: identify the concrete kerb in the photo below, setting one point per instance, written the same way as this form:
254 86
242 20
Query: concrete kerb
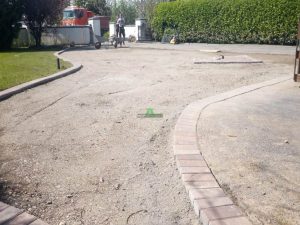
208 199
31 84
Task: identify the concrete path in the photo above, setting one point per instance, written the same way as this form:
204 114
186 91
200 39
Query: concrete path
251 143
75 152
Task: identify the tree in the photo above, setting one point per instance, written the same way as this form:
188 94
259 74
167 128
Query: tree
127 8
145 8
100 7
40 13
10 15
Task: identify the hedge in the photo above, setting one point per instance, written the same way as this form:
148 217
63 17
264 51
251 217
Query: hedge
229 21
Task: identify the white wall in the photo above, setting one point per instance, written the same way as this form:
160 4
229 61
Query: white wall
129 30
112 29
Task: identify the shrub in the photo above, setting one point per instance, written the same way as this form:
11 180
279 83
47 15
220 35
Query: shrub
229 21
106 36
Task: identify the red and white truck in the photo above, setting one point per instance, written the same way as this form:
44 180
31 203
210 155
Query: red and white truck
77 16
74 16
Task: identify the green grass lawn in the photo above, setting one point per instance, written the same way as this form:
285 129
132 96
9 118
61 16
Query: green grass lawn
20 66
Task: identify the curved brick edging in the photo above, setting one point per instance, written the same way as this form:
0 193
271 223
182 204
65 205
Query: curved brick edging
207 197
10 215
31 84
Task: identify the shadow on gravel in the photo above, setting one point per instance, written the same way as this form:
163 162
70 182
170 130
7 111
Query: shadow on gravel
4 195
15 194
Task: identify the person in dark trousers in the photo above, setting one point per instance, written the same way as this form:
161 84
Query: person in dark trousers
117 30
121 24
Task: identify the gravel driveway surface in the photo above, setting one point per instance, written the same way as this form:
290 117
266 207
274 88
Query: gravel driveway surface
74 152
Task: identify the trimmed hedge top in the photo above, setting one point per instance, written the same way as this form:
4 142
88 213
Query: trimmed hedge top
229 21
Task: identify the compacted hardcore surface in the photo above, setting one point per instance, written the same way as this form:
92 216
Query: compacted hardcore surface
74 151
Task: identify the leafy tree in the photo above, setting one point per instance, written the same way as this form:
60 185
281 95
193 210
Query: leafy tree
100 7
127 8
145 8
10 14
40 13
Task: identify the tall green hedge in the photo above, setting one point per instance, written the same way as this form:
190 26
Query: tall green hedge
229 21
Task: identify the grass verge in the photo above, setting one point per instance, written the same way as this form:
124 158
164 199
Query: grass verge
20 66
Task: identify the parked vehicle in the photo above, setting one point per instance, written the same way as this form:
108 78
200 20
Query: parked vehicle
104 23
74 16
69 35
77 16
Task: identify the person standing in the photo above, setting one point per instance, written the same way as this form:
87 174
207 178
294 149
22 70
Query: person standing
121 24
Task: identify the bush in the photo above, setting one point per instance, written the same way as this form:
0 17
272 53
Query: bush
229 21
106 36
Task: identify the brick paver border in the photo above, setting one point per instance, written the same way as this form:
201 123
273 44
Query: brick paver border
31 84
208 199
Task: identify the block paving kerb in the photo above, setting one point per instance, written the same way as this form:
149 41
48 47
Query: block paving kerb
207 197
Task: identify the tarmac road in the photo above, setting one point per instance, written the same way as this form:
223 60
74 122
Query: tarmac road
75 151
